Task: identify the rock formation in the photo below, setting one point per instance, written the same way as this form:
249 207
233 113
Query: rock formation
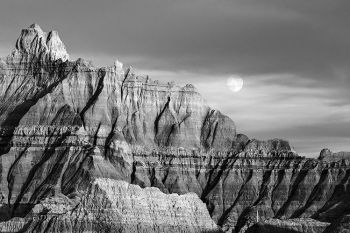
117 206
329 156
289 226
72 136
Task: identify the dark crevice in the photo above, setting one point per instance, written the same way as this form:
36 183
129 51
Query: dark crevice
49 224
94 142
209 129
13 119
280 177
172 130
153 176
301 176
184 119
10 84
26 226
62 116
156 122
109 138
226 212
264 189
316 190
78 173
210 185
50 177
10 177
214 134
38 225
45 157
338 195
133 176
122 85
94 97
165 176
214 178
204 138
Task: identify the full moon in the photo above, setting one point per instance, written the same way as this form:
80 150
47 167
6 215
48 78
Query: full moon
235 83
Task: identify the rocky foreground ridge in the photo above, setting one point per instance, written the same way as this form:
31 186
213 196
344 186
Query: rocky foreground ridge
80 146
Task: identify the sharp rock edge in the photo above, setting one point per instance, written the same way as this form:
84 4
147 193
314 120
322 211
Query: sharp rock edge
81 146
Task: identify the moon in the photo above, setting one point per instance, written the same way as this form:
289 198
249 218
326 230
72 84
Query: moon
235 83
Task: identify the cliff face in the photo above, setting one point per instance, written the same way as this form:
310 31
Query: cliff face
235 188
67 125
289 226
117 206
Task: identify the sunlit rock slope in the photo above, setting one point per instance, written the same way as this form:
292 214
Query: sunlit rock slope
72 136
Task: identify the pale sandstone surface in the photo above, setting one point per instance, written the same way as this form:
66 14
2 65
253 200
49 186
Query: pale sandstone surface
116 206
65 124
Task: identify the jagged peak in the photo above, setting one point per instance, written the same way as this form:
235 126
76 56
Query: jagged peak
36 27
56 46
34 41
325 153
118 65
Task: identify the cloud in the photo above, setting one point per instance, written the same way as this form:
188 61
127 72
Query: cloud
294 56
249 37
271 106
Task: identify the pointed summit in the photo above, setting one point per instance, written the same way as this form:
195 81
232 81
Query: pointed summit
33 41
118 66
36 27
56 46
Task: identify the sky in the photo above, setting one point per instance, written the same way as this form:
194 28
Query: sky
294 56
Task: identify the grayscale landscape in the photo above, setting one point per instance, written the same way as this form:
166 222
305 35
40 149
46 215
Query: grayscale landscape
104 146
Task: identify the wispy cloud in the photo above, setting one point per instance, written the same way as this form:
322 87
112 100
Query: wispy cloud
272 106
294 56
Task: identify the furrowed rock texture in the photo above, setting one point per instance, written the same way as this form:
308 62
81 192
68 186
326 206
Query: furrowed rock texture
66 125
289 226
234 188
117 206
105 101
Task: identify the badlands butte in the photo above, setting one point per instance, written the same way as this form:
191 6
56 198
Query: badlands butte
88 149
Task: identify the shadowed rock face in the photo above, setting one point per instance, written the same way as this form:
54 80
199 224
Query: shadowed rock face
67 125
341 225
289 226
